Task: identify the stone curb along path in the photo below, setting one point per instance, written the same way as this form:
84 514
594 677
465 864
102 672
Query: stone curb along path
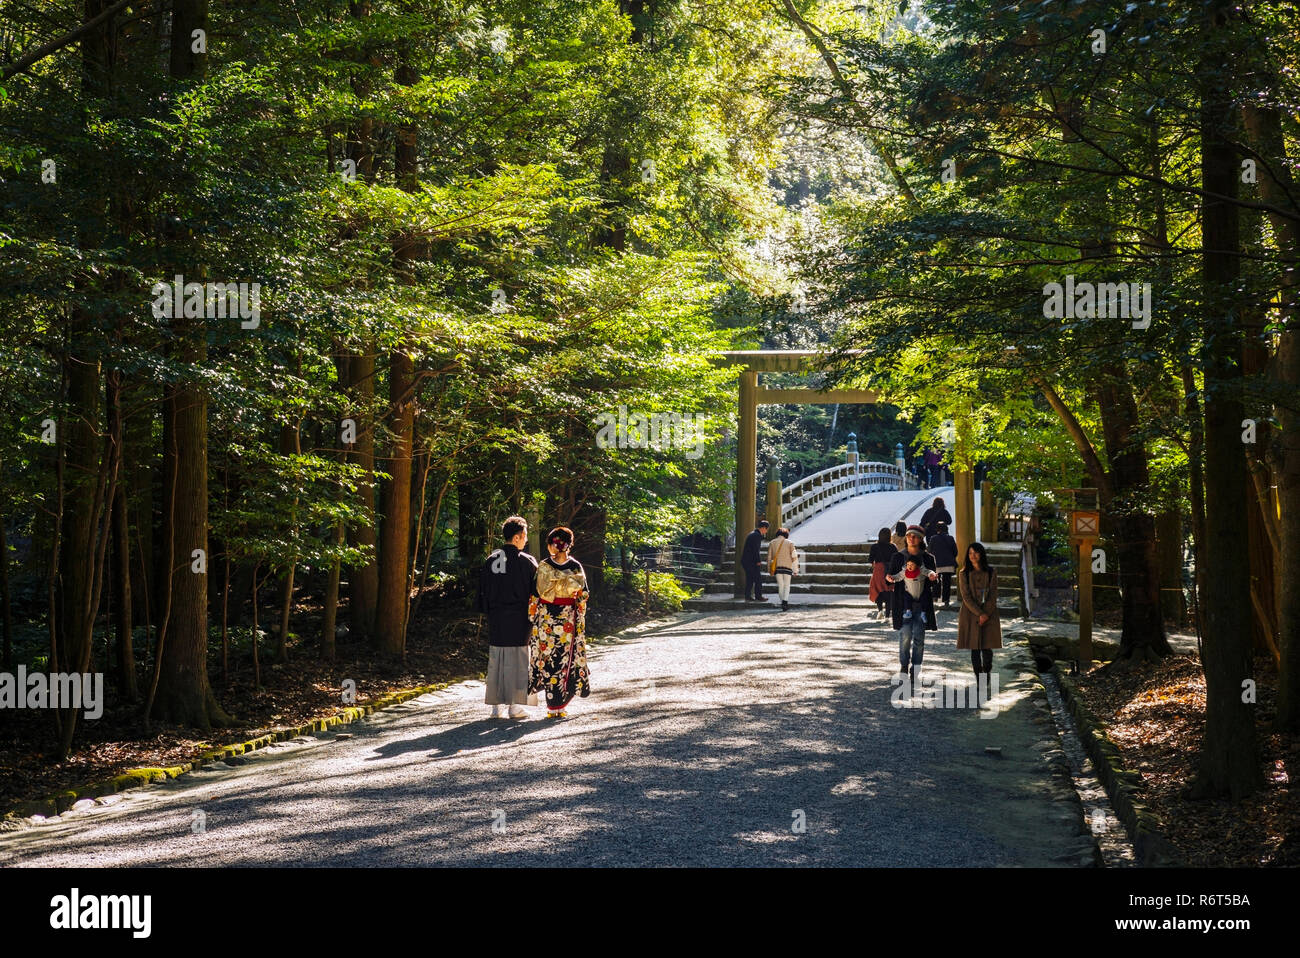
1018 657
62 801
1123 785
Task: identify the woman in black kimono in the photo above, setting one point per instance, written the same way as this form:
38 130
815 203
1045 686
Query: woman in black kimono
559 613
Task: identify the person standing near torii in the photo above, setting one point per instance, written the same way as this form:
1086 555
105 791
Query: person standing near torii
750 556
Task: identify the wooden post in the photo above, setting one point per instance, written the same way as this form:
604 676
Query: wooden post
963 488
746 462
988 530
772 510
1085 604
963 481
1085 524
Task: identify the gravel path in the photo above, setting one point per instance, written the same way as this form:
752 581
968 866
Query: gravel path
708 741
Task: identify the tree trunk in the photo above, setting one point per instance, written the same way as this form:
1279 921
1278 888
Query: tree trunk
1262 563
257 664
1169 547
225 621
139 476
329 617
290 443
121 530
357 376
83 452
286 613
6 608
1143 634
395 534
92 495
1276 187
1087 452
1229 758
363 579
184 694
1287 371
1196 489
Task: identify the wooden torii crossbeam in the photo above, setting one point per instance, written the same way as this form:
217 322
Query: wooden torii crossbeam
754 361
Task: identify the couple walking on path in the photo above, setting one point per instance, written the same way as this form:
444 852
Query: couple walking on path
537 623
909 574
783 562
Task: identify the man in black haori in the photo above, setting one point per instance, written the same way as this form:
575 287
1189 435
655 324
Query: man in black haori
505 590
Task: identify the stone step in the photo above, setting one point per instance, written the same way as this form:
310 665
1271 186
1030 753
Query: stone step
800 582
853 547
802 588
803 585
946 616
810 567
852 558
842 570
1006 577
1005 611
1005 580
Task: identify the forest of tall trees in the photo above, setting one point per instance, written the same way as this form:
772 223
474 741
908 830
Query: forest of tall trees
297 302
469 229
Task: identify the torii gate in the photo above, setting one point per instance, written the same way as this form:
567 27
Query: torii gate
753 362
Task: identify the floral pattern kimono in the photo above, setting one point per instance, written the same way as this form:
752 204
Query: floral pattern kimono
558 610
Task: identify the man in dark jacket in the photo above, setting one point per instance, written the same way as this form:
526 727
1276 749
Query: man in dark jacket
944 549
505 585
936 514
911 631
749 561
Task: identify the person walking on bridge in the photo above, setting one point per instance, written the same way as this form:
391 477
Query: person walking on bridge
899 539
749 559
979 628
933 469
911 631
936 514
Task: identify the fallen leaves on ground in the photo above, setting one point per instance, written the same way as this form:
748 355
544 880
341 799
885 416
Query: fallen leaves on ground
1156 715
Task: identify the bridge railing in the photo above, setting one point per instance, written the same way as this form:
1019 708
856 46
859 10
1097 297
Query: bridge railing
811 494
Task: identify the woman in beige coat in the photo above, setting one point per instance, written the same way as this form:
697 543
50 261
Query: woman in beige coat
784 561
978 626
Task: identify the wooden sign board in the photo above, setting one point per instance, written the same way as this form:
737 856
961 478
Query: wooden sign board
1085 529
1085 524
